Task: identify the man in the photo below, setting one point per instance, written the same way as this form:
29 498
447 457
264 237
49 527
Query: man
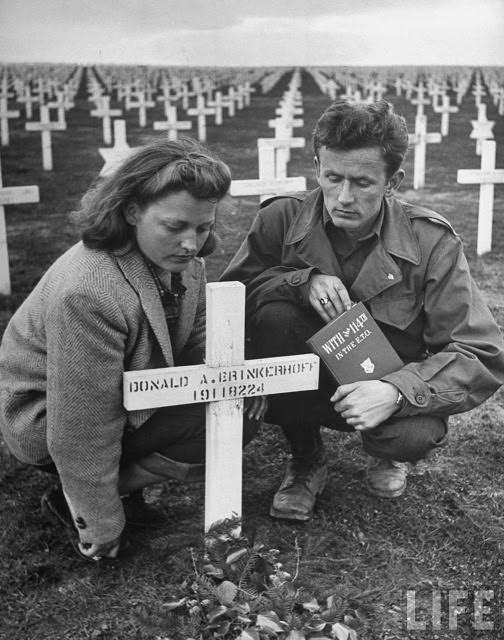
308 256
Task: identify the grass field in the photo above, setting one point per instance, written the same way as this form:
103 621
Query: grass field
445 533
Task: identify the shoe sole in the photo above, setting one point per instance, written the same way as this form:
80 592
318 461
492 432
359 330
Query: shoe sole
385 494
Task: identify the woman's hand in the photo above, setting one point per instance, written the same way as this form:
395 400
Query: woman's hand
255 408
100 551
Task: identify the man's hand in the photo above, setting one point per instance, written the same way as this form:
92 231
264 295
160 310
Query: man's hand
365 405
332 292
99 551
255 408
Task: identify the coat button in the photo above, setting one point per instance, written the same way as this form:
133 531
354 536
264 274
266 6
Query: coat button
79 521
420 398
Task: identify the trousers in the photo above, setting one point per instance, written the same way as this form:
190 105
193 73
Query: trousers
178 433
281 328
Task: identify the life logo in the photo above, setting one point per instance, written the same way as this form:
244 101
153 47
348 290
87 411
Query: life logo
368 365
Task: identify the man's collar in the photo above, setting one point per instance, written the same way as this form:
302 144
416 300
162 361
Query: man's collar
396 232
374 230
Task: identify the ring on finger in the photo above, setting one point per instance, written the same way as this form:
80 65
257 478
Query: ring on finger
323 301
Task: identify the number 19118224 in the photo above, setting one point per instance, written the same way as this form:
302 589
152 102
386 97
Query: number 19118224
228 392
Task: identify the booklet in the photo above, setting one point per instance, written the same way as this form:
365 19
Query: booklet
353 347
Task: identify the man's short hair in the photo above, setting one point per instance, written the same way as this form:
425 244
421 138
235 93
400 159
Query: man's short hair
347 126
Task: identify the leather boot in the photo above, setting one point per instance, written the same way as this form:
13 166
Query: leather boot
305 476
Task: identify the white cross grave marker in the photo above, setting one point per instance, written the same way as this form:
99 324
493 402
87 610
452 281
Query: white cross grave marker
28 100
223 381
266 188
421 139
45 126
11 195
5 115
486 177
171 124
271 163
445 111
201 112
113 156
104 112
217 103
420 100
142 104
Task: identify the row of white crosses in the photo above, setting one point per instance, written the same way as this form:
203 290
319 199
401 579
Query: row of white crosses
273 152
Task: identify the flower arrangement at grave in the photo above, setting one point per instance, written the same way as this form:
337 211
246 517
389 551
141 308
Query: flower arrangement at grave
239 590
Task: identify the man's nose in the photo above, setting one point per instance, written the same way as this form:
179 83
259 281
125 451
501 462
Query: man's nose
345 193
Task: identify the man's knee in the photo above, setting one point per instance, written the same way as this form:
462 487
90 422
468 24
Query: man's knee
282 328
406 439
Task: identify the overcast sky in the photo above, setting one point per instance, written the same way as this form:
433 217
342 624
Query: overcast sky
253 32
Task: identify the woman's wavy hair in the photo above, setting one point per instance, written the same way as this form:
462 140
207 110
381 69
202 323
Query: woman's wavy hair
348 126
148 174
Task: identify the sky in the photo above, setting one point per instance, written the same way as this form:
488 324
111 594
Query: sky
253 32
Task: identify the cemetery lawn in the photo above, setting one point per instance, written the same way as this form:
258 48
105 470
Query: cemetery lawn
446 531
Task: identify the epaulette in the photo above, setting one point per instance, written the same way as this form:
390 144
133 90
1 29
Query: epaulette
296 195
416 211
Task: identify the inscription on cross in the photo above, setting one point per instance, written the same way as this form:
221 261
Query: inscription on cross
223 381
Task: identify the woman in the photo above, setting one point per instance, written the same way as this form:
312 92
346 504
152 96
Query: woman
129 296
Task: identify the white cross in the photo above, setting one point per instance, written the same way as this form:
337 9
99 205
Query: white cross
45 126
421 139
104 112
113 156
201 112
486 177
266 188
28 100
223 381
478 93
247 90
445 109
172 125
271 162
60 103
10 195
482 128
420 101
142 104
217 103
229 101
5 114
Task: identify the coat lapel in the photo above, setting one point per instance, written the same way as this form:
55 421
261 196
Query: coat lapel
397 238
137 274
308 234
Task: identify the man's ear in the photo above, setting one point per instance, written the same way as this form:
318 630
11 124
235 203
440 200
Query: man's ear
394 182
317 166
131 214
